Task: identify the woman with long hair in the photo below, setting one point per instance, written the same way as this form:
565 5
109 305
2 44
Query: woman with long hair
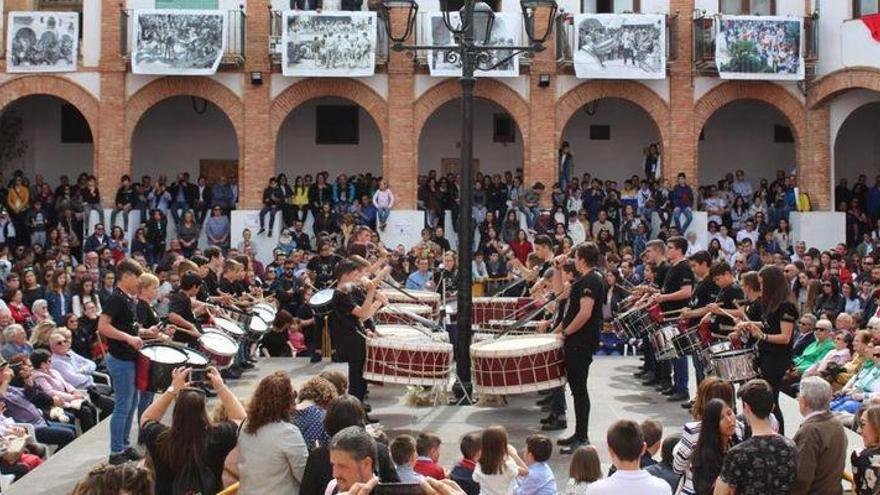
866 470
188 455
118 244
717 435
830 302
272 451
21 313
84 293
31 287
58 298
300 199
499 463
188 234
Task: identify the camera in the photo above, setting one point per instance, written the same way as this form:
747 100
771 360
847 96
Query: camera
198 375
398 489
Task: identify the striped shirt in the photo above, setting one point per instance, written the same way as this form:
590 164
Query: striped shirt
681 461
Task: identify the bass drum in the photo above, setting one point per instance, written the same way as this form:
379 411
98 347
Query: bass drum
154 365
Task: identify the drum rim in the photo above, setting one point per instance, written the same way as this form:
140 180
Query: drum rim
411 344
189 351
234 324
167 346
251 326
550 345
482 299
230 339
402 308
734 352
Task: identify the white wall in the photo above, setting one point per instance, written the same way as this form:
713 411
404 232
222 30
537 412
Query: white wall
740 136
171 137
298 154
46 155
632 129
442 134
857 148
91 35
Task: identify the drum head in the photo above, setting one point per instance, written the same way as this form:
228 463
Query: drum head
265 307
218 343
258 325
228 326
321 297
164 354
516 346
398 332
419 309
195 358
264 314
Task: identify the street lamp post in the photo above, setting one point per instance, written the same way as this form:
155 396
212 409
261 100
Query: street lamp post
475 17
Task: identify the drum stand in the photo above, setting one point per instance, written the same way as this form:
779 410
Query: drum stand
326 346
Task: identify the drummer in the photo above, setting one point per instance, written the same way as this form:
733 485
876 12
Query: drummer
728 294
654 372
321 267
180 311
704 293
556 399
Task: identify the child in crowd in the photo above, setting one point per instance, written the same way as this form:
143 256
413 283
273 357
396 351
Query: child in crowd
463 472
584 469
403 453
297 338
626 444
539 480
427 464
499 464
276 342
663 469
383 200
653 432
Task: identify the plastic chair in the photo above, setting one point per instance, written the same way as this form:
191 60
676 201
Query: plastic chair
6 481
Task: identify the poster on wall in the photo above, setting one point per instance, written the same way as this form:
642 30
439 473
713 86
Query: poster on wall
506 31
620 46
329 44
759 47
42 41
179 42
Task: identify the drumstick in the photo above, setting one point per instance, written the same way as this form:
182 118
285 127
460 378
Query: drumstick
401 290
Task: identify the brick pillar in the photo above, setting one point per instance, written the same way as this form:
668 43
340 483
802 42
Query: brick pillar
112 155
540 156
814 178
399 163
256 156
680 155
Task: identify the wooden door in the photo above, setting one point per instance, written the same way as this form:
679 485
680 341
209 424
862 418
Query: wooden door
212 170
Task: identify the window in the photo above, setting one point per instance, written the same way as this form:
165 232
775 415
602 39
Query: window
782 134
337 124
865 7
610 6
504 129
600 133
748 7
74 128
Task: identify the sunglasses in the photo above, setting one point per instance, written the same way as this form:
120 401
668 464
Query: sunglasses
59 342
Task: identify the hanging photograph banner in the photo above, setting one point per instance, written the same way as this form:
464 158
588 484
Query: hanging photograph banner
506 31
759 47
620 46
42 41
329 44
180 42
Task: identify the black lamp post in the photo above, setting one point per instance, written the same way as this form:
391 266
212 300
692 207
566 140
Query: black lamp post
475 17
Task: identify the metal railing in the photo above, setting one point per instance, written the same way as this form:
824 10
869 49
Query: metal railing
276 29
236 36
704 44
566 38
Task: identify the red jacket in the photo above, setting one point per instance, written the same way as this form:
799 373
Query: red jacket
427 467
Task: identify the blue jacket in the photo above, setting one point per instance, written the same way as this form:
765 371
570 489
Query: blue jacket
58 306
348 196
872 204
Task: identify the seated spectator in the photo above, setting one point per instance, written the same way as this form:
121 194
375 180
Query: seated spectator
664 469
583 470
314 396
463 472
866 471
272 451
652 430
403 453
383 199
813 354
16 342
859 388
805 335
20 312
20 408
338 379
499 464
40 312
217 228
422 278
428 450
77 371
63 393
820 439
862 350
192 444
539 480
356 454
836 357
127 479
766 462
41 333
626 446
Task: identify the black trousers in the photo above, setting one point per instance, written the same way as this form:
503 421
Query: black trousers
100 397
357 386
557 404
578 358
773 369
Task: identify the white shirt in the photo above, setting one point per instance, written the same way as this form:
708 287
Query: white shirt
742 234
498 484
630 482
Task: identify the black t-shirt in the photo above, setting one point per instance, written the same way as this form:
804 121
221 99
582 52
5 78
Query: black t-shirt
344 325
727 299
305 312
228 287
221 440
211 283
786 312
680 275
660 273
146 315
181 305
359 296
121 310
704 293
276 344
590 285
323 266
761 465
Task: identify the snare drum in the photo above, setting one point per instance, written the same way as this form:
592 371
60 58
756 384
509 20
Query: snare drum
155 362
516 365
397 312
661 340
230 327
194 359
218 347
636 323
264 314
402 332
257 328
687 342
321 302
736 365
408 361
499 308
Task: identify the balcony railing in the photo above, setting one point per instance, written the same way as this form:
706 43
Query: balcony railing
236 36
566 39
704 45
276 29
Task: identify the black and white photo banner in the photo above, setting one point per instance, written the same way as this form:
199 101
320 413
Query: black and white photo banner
506 31
620 46
328 44
42 42
180 42
759 47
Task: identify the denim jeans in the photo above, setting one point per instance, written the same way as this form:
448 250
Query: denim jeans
117 211
680 374
383 214
688 218
123 375
479 213
59 434
699 372
271 210
88 213
845 404
531 215
174 206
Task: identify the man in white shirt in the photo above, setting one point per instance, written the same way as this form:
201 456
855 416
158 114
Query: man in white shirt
748 232
626 444
714 206
742 187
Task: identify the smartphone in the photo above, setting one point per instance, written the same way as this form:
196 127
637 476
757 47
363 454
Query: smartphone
198 375
398 489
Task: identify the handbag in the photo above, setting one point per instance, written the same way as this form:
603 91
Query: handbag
12 448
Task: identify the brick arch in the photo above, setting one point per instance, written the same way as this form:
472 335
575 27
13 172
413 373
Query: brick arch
487 89
59 87
168 87
835 83
636 93
309 89
772 94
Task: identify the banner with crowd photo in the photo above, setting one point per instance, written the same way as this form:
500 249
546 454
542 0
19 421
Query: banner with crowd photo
759 47
506 31
329 44
179 42
42 42
620 46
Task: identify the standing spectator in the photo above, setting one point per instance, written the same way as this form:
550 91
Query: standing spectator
766 462
37 222
188 234
741 187
91 199
566 165
821 441
124 202
157 236
272 201
383 199
683 202
204 199
222 195
653 162
183 196
217 228
18 200
59 299
866 470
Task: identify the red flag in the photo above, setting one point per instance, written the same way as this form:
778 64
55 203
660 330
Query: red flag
873 23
